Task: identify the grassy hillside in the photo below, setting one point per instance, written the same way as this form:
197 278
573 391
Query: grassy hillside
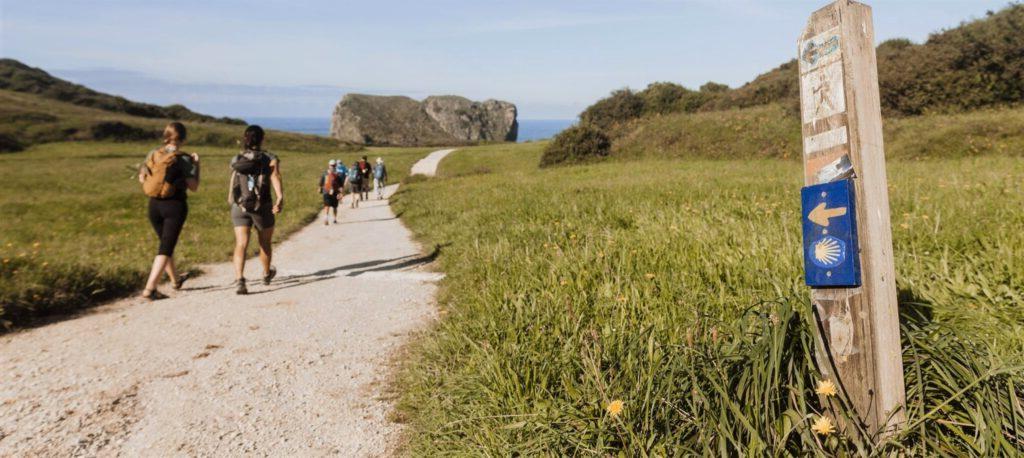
74 230
680 293
766 132
18 77
29 119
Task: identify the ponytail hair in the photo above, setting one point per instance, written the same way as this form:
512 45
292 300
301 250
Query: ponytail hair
253 138
174 133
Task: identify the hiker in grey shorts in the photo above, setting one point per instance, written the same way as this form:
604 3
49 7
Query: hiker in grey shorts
254 173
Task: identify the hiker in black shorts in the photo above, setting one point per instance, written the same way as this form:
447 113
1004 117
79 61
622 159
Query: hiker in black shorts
253 172
167 176
366 173
330 186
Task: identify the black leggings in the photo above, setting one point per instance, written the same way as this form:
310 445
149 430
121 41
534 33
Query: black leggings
167 217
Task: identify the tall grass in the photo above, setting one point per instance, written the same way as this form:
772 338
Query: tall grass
74 228
680 293
769 132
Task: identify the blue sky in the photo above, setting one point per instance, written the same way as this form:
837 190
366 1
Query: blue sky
296 58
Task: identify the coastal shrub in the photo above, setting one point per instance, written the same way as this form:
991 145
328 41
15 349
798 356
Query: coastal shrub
119 131
580 143
621 106
663 97
9 144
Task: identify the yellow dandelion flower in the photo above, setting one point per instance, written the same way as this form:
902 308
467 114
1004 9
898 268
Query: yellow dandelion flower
563 282
547 245
826 388
649 276
823 426
615 407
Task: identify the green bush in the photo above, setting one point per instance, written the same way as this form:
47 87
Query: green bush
664 97
609 112
581 143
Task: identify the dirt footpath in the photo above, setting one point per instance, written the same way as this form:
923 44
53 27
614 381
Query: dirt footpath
294 368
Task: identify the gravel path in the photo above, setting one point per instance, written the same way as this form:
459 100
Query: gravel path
298 367
428 165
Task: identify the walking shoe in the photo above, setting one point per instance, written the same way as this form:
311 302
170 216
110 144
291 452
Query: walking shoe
180 281
241 287
269 276
153 295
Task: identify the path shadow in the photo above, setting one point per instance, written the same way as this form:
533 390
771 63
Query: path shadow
407 264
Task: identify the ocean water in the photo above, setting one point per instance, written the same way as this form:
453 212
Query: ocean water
529 129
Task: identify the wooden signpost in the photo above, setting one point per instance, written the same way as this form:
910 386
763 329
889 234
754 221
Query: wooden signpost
847 234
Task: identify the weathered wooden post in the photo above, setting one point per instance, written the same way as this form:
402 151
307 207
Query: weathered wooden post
847 235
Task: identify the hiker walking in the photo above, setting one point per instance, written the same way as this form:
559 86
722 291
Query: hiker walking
167 176
253 173
342 173
329 186
366 173
355 184
380 178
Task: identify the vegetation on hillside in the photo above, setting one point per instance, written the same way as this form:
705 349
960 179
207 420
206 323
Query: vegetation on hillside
978 65
766 132
75 233
18 77
585 314
29 119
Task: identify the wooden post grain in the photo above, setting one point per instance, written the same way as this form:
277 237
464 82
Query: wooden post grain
859 338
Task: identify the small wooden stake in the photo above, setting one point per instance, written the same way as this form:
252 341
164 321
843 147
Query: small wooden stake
859 339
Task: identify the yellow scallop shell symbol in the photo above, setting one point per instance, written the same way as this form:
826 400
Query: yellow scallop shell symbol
828 252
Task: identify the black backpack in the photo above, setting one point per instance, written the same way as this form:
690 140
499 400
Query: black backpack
251 185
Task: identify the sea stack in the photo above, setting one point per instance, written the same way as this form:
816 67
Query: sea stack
436 121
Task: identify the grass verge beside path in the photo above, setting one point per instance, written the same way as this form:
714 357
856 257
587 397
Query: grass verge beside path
680 293
74 229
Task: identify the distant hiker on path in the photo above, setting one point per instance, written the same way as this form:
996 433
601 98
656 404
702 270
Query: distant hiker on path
366 173
355 184
253 172
380 178
342 172
167 176
330 185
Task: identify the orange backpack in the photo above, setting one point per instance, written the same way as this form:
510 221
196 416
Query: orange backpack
156 184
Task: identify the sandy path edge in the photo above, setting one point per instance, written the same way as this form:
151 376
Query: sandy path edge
295 368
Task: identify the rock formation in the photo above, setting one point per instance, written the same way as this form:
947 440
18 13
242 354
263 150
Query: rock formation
437 120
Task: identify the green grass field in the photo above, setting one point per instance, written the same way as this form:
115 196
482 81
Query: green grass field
74 229
679 291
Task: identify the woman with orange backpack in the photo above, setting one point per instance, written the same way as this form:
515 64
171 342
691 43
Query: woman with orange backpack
167 176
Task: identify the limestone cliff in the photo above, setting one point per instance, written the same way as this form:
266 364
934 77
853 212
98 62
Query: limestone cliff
437 120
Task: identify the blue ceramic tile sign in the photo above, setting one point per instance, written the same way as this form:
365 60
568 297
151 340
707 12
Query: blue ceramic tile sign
830 235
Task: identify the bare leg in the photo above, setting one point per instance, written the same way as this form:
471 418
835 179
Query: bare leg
159 263
266 251
241 243
171 273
